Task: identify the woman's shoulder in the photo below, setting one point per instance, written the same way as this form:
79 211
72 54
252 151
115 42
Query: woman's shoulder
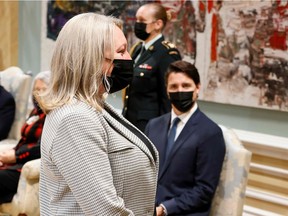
76 119
75 111
164 47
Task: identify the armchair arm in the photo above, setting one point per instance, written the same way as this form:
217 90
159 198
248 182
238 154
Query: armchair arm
7 144
26 200
31 169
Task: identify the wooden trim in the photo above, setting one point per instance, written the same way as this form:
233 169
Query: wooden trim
267 197
251 211
269 170
8 34
263 144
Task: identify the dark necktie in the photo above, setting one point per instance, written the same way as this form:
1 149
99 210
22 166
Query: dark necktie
171 136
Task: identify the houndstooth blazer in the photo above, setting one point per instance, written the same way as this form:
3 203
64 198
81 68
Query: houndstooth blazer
93 165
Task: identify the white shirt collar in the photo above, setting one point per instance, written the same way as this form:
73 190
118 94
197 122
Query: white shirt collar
147 45
185 116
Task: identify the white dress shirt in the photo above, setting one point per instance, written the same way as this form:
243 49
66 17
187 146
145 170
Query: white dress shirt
183 119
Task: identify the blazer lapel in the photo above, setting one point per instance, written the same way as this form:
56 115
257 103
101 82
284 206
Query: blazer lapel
136 51
146 55
188 129
128 134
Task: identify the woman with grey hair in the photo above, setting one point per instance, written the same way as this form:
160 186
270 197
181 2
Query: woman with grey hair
28 147
93 161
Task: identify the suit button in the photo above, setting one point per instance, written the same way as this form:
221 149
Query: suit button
141 74
126 96
125 108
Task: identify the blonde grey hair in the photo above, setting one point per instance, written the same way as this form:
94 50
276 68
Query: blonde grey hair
43 76
77 60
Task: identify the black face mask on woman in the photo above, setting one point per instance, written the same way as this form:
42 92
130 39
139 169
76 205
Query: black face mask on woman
140 31
121 75
35 103
183 101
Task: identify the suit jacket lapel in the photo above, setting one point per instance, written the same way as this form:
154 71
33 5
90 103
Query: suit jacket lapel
136 51
188 129
147 54
163 136
127 133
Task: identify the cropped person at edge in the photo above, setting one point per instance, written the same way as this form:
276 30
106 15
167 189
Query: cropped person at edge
93 161
7 111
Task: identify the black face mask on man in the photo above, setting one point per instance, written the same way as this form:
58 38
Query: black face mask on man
183 101
140 31
121 75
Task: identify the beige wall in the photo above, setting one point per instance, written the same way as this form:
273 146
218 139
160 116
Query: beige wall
8 34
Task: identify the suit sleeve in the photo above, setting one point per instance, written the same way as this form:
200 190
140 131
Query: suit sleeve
81 155
208 168
147 129
27 152
171 56
7 113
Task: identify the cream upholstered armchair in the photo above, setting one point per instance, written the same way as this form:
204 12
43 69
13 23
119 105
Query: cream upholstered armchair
26 200
230 193
15 81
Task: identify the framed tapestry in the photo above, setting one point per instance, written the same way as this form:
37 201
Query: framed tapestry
239 47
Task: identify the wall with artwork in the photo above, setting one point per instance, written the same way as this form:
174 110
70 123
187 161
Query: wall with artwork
242 45
239 47
248 54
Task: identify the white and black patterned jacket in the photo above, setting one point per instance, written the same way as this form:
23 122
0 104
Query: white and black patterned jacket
91 164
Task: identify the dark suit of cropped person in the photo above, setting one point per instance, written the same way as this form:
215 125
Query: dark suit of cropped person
190 171
146 96
7 112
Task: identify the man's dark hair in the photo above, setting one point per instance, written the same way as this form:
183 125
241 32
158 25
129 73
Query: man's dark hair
183 67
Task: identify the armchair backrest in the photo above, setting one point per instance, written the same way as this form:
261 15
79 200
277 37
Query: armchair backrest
14 80
230 194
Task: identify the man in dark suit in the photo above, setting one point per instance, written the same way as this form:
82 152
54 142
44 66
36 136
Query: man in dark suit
146 96
191 151
7 112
